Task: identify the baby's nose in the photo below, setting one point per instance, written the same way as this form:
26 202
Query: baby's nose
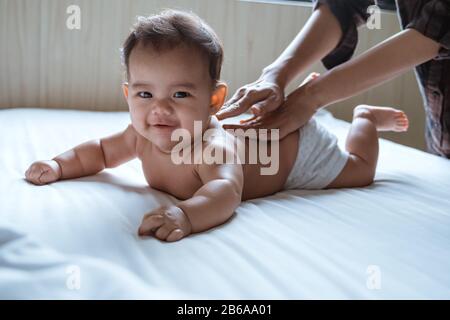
162 108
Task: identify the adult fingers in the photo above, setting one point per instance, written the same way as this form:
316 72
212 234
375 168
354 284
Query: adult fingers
248 119
267 123
237 95
243 126
241 105
255 97
270 104
229 107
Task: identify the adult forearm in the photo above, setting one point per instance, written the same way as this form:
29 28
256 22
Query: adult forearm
385 61
83 160
320 35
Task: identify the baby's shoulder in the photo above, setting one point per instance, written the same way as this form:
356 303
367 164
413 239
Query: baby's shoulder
215 150
221 141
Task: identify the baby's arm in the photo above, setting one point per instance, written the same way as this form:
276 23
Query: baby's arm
212 205
215 202
86 159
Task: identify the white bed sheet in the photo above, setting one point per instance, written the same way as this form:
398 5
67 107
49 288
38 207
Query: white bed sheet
390 240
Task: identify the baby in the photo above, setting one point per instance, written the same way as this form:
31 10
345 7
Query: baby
173 62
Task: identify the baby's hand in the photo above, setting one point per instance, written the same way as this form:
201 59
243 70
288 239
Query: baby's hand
166 223
43 172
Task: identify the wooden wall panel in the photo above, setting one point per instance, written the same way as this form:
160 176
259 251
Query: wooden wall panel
44 64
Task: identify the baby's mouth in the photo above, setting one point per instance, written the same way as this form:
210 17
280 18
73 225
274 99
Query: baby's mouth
163 127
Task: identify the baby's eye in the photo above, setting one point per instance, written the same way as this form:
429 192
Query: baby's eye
144 94
181 94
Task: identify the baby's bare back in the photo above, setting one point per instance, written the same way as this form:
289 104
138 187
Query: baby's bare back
182 180
257 184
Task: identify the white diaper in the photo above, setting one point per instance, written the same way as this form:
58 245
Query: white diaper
319 158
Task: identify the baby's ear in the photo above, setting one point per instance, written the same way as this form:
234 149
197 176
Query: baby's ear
125 89
218 97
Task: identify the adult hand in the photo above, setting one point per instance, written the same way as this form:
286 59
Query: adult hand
298 108
261 96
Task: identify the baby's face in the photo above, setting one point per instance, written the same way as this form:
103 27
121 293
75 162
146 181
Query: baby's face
168 90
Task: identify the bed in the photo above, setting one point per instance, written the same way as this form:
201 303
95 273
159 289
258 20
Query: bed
386 241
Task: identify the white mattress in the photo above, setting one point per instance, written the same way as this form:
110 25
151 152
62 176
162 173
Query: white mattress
390 240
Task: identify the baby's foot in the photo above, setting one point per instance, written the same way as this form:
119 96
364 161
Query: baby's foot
311 76
384 118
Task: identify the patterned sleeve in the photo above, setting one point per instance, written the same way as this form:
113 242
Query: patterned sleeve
350 14
432 19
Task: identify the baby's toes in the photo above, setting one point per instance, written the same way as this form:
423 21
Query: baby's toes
399 115
403 120
402 125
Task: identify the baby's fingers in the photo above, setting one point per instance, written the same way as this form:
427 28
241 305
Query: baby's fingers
150 223
163 232
47 177
27 174
175 235
33 174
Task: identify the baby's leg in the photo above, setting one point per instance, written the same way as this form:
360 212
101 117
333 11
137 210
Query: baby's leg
362 143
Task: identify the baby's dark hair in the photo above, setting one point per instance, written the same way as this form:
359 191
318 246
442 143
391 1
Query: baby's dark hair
171 28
